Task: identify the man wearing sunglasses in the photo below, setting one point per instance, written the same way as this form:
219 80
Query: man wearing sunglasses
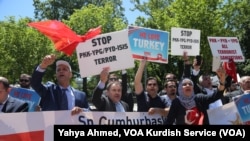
24 81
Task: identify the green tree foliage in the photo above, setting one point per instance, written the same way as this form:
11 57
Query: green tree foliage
92 16
244 67
63 9
214 18
21 48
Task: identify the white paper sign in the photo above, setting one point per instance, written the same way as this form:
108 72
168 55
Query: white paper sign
216 63
224 115
185 40
226 48
106 50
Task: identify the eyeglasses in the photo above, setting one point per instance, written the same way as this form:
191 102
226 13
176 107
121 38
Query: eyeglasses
171 86
185 84
113 79
24 80
151 84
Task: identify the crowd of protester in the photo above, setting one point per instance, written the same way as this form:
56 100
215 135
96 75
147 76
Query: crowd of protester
178 101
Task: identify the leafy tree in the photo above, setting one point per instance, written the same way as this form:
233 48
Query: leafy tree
63 9
92 16
21 48
213 18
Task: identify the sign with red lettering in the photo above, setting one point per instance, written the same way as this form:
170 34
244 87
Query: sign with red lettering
28 95
226 48
149 43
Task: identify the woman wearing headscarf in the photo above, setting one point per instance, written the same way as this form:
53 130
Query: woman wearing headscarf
190 108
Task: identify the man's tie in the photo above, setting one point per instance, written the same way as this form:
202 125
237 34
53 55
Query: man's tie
119 107
64 102
1 107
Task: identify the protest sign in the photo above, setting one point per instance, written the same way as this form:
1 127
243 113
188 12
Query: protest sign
185 40
149 43
242 103
107 50
224 115
28 95
226 48
216 63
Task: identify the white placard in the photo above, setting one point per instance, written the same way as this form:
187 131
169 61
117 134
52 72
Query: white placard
216 63
226 48
185 40
107 50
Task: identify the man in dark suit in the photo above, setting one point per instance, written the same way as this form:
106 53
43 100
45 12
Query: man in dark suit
127 96
10 104
244 89
112 99
53 96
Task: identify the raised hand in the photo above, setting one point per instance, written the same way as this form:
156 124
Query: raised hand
48 60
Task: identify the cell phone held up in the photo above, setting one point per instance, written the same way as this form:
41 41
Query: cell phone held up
198 59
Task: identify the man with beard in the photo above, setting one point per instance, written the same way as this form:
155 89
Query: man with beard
171 91
24 81
148 100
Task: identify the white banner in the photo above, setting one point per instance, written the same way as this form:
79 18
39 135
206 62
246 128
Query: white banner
38 126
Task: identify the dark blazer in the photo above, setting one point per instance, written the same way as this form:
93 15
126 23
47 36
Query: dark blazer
103 103
127 97
51 94
177 111
13 105
228 97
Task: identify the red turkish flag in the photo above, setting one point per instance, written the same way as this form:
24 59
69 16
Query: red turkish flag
230 69
64 39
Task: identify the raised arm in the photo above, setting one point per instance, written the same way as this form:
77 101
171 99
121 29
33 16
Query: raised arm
98 91
138 77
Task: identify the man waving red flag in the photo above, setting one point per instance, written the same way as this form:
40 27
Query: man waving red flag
230 69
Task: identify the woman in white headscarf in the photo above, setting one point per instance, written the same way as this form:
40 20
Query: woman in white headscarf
190 108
